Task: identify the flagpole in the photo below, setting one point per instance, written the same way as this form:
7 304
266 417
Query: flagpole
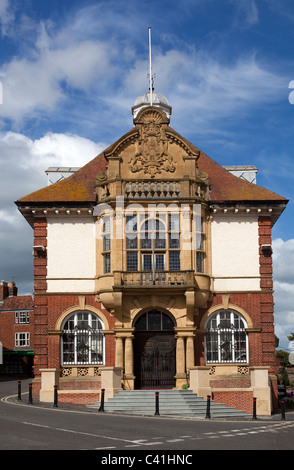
150 70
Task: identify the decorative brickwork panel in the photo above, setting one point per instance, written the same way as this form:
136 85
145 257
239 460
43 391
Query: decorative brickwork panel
231 382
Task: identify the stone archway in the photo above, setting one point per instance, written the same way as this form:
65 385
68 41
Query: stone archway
154 350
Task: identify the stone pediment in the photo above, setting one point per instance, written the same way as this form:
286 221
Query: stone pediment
151 151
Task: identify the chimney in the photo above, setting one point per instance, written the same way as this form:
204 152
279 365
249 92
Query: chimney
4 291
12 290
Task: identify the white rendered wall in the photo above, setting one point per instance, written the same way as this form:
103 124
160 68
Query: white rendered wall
235 253
71 254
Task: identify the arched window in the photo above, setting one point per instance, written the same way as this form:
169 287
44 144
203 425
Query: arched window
154 321
226 338
82 339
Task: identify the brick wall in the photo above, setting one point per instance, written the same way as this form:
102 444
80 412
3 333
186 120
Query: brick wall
8 328
241 400
40 285
79 398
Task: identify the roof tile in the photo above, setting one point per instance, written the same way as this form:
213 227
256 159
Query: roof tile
80 187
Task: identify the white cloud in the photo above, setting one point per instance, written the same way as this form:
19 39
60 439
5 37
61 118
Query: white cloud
23 164
6 16
39 83
65 150
24 160
247 13
283 259
78 55
283 262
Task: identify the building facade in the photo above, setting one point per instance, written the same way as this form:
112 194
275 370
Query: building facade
153 269
16 331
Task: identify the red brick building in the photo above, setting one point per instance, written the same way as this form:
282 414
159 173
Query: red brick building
153 257
16 331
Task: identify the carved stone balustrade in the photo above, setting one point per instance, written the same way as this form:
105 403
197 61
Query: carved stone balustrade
152 189
164 279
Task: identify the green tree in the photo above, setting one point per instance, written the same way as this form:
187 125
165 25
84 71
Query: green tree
284 355
285 378
291 337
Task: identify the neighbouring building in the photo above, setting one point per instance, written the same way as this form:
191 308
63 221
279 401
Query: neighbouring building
153 269
16 331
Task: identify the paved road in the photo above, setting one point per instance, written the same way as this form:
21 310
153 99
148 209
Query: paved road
34 426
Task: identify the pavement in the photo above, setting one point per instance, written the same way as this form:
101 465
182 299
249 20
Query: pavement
9 394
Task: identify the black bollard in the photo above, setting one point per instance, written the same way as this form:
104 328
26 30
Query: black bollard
19 391
30 395
254 408
283 406
102 400
55 397
156 404
208 416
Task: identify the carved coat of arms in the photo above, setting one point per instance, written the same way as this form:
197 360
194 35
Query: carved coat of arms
151 154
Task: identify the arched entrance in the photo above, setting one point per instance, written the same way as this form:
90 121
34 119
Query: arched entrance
155 351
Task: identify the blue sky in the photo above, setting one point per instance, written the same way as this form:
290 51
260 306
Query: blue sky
71 71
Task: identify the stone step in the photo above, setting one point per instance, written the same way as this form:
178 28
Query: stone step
171 403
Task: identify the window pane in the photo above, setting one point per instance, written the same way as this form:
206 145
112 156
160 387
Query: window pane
159 259
159 225
199 262
154 321
145 242
106 263
240 346
106 224
141 323
68 347
69 325
174 261
212 346
132 242
226 346
82 347
132 261
225 319
160 241
82 321
198 224
167 323
106 243
96 347
147 263
174 240
199 241
131 223
96 323
174 222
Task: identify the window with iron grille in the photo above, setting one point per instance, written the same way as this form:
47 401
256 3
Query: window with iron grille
226 339
82 339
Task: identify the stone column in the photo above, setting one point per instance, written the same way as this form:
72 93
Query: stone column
119 352
129 355
129 378
180 359
189 353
